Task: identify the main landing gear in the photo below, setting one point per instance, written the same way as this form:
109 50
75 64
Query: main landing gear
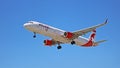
73 42
34 36
59 47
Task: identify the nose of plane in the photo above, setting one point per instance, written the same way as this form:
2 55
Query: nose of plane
25 25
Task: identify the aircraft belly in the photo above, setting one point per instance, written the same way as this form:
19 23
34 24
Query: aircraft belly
81 40
56 35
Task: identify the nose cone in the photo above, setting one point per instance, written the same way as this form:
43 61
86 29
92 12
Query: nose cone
25 25
28 26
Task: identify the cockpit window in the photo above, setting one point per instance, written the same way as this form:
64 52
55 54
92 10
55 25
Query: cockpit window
39 24
30 22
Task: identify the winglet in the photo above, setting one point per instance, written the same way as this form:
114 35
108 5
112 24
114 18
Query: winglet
106 21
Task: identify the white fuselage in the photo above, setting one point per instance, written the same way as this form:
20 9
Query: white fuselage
52 32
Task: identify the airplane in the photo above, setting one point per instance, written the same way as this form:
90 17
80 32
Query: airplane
62 37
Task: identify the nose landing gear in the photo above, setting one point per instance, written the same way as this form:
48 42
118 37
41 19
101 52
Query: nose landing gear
34 36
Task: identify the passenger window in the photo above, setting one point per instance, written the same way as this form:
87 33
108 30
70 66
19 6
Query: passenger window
30 22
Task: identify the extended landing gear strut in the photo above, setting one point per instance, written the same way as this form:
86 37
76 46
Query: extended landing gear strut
73 42
34 36
59 47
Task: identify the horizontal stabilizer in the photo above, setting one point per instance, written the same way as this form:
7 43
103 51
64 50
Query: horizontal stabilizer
96 43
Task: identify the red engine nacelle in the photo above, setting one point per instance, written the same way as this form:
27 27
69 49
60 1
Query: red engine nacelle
68 35
48 42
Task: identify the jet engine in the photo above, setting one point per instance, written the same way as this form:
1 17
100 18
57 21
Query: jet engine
68 35
49 42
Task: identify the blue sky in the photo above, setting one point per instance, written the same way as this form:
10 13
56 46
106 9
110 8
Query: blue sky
19 50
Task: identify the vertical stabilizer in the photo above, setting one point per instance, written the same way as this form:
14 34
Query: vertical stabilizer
92 36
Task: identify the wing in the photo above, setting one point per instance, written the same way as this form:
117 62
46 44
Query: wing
86 30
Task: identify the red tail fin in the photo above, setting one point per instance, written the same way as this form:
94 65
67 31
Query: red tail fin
90 41
92 36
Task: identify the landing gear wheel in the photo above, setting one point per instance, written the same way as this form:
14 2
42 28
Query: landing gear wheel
73 42
59 47
34 36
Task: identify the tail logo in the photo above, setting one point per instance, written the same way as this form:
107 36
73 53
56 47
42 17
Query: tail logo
90 42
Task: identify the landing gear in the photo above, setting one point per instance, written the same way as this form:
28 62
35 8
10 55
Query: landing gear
34 36
59 47
73 42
